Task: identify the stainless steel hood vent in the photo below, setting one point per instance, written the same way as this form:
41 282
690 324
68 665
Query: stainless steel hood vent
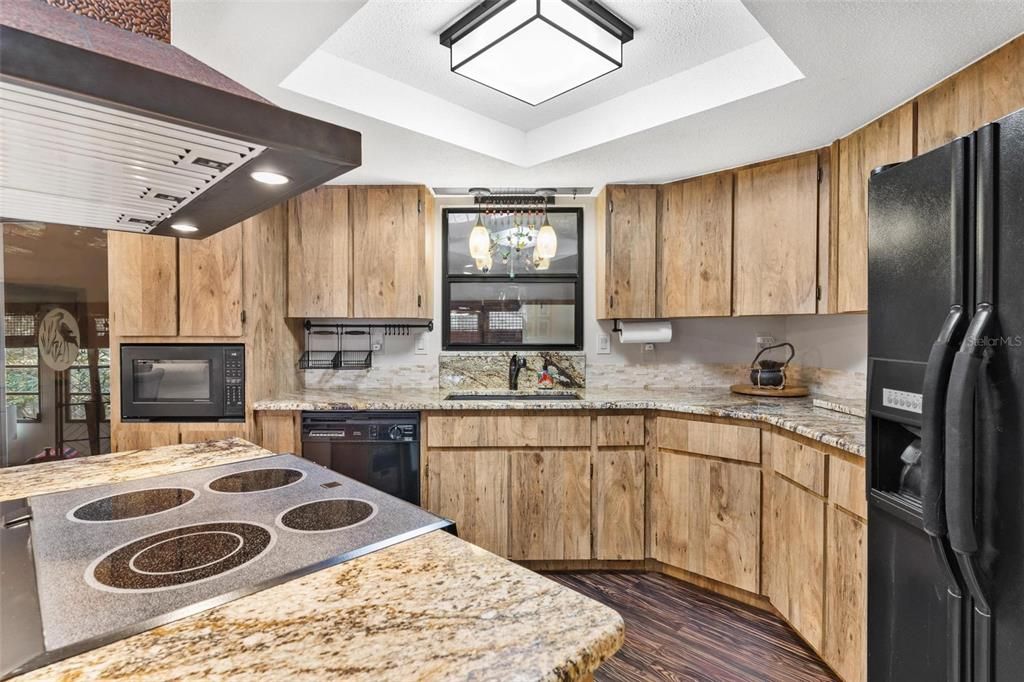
101 127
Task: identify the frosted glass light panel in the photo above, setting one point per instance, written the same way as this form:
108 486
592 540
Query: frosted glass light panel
534 50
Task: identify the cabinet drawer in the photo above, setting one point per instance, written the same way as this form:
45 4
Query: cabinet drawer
742 443
499 431
620 430
846 487
799 463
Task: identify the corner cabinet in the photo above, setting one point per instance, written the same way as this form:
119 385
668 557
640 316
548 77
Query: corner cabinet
361 251
627 252
775 237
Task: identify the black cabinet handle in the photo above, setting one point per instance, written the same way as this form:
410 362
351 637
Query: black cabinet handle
936 381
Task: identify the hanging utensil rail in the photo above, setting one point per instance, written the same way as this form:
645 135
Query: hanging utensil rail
348 358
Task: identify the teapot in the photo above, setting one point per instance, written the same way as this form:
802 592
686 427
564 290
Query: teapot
770 373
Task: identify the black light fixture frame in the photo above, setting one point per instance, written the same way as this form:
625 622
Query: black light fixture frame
591 9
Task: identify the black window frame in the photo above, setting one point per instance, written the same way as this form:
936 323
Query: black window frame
447 279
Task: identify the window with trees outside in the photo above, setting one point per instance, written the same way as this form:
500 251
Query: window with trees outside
79 385
21 378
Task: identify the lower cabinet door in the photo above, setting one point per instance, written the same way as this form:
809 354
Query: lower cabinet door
795 558
617 487
706 518
471 488
550 505
846 595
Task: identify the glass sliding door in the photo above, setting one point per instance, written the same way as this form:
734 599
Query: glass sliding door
56 353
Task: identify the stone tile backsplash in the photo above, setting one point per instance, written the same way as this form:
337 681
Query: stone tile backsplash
489 370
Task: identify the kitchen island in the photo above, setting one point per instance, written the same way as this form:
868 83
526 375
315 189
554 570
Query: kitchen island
434 607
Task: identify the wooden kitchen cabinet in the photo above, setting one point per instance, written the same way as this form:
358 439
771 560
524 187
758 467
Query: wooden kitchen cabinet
472 489
549 511
845 646
210 284
142 274
983 92
143 436
794 557
706 517
627 252
695 247
775 231
617 509
888 139
279 431
320 253
391 252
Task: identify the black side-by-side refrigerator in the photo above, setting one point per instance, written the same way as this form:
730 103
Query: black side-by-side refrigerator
945 410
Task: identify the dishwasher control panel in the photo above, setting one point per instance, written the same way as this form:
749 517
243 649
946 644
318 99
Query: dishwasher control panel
328 426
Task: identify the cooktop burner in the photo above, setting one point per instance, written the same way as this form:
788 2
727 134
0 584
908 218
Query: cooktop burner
132 505
179 556
325 515
255 480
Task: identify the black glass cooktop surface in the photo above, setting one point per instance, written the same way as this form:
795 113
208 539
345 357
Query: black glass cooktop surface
255 480
180 556
324 515
133 504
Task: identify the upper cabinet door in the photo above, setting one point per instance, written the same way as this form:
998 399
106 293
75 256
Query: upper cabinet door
627 252
389 243
695 267
775 237
319 253
210 284
885 140
143 284
981 93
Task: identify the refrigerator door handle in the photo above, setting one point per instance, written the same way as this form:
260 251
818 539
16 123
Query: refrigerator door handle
936 381
960 453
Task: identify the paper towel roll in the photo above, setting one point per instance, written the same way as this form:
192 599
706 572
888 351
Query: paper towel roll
659 331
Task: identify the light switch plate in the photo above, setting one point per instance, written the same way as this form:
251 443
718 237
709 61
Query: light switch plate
604 344
421 343
764 340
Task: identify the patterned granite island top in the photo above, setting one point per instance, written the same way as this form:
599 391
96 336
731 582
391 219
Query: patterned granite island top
799 415
431 608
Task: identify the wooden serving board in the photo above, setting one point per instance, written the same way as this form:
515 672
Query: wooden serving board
790 391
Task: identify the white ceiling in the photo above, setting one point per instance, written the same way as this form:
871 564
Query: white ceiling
858 59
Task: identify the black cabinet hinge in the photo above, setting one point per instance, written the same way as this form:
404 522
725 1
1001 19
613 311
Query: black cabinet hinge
419 300
820 175
243 317
419 205
818 292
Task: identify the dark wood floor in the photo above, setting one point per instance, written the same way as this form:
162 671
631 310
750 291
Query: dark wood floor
675 631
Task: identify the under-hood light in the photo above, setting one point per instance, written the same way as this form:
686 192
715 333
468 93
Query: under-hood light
269 177
184 227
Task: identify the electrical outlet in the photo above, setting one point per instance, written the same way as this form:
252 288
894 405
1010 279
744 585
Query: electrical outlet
421 343
648 347
604 343
376 341
764 340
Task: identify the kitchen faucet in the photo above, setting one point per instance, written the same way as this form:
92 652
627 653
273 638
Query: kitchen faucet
515 364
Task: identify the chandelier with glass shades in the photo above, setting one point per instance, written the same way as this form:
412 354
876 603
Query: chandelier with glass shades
534 50
513 229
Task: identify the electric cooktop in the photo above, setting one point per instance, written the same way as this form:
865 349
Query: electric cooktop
89 566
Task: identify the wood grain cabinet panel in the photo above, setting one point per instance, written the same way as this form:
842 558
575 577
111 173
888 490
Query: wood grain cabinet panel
143 436
319 253
142 272
846 596
695 247
472 489
197 433
210 284
846 486
885 140
799 463
728 441
617 504
627 252
508 430
549 513
389 240
279 431
775 237
979 94
706 518
795 558
622 429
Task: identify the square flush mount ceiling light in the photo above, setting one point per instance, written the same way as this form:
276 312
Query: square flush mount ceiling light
534 50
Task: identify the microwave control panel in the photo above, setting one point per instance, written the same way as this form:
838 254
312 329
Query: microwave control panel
234 381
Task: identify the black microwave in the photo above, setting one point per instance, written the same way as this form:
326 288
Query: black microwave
182 382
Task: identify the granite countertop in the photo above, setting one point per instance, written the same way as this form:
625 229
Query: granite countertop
435 607
799 415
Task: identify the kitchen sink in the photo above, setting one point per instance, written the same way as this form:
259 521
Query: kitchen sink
513 396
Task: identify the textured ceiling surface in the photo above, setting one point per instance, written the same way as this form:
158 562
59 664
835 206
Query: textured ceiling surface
859 60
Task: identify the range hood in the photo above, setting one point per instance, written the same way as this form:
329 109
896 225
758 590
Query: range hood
101 127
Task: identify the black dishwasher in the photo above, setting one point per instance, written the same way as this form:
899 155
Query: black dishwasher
380 449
